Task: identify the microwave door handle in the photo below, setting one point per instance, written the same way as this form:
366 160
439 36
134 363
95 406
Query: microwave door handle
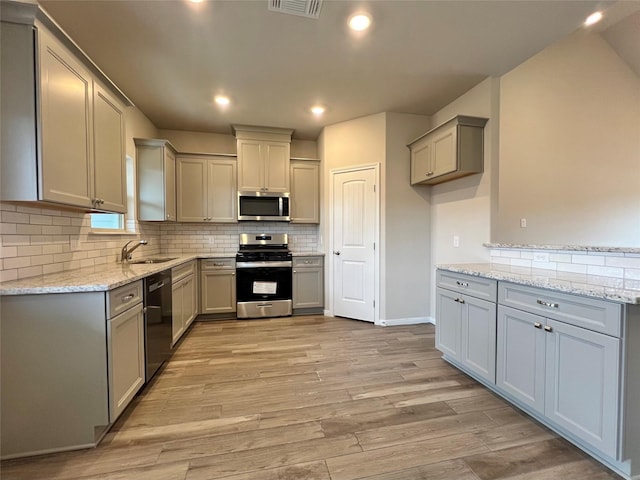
280 205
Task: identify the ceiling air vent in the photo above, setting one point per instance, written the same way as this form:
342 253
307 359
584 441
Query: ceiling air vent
302 8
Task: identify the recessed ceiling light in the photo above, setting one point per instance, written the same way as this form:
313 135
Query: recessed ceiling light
593 18
359 22
317 110
196 1
222 100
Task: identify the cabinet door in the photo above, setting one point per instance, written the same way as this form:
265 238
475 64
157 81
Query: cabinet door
126 359
520 364
109 151
250 166
191 189
189 304
582 384
65 101
177 311
421 162
169 185
218 291
308 288
305 193
444 152
478 351
276 169
448 323
222 191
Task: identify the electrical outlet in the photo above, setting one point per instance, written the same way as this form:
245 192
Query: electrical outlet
456 241
541 257
523 223
211 239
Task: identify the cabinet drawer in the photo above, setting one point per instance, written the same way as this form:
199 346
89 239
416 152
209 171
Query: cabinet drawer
591 313
122 298
307 262
218 264
182 271
479 287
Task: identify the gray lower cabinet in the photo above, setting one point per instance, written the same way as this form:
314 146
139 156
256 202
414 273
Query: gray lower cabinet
125 352
466 327
70 364
217 286
570 361
183 299
308 284
569 374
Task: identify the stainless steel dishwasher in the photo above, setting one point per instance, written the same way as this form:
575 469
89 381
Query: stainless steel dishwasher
157 321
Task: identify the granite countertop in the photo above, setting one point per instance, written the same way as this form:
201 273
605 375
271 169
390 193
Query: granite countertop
580 284
103 277
307 254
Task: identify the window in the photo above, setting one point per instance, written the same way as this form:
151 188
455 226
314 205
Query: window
118 222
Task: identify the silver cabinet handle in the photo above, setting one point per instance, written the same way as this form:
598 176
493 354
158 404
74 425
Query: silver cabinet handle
126 298
547 328
459 300
547 304
537 325
336 252
218 264
429 174
295 271
462 284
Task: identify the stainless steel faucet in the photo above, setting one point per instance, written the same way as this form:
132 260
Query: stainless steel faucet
125 254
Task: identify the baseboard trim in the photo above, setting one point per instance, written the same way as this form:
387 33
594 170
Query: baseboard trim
391 322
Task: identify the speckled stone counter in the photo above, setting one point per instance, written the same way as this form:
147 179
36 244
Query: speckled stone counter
103 277
579 284
564 248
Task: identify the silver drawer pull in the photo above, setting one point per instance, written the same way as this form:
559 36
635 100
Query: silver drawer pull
462 284
126 298
265 305
547 328
429 174
547 304
218 264
459 300
537 325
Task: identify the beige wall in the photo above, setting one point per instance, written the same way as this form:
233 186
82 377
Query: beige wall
137 126
404 210
463 207
570 147
405 225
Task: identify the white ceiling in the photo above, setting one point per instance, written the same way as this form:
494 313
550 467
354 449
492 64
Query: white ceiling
171 57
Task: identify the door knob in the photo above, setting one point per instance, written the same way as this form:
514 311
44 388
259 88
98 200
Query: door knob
336 252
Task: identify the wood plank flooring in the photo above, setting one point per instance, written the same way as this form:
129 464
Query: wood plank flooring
315 398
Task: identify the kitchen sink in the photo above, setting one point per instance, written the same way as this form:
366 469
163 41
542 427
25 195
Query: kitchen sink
152 260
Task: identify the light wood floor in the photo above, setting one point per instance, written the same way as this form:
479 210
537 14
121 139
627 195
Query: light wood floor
316 398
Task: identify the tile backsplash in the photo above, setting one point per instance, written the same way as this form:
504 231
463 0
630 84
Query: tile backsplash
37 241
620 269
183 238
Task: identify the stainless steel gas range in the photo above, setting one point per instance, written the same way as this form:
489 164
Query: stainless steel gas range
264 276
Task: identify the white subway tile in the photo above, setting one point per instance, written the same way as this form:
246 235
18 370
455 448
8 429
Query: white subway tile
571 268
632 273
587 259
29 209
632 284
27 250
41 259
605 271
625 262
8 228
15 240
8 275
16 262
52 268
544 265
560 257
14 217
28 229
40 220
6 252
6 207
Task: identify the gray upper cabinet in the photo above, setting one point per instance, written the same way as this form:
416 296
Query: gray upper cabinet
206 188
305 192
68 147
156 162
263 158
452 150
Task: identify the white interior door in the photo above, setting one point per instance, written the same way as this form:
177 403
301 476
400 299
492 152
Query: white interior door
354 213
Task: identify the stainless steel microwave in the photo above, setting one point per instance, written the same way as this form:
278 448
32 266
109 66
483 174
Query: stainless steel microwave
263 206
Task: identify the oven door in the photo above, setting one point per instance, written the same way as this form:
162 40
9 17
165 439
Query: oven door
263 289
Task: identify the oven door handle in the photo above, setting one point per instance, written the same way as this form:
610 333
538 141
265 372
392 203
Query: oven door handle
274 264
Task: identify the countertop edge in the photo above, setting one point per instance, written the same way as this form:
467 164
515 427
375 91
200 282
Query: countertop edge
599 291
